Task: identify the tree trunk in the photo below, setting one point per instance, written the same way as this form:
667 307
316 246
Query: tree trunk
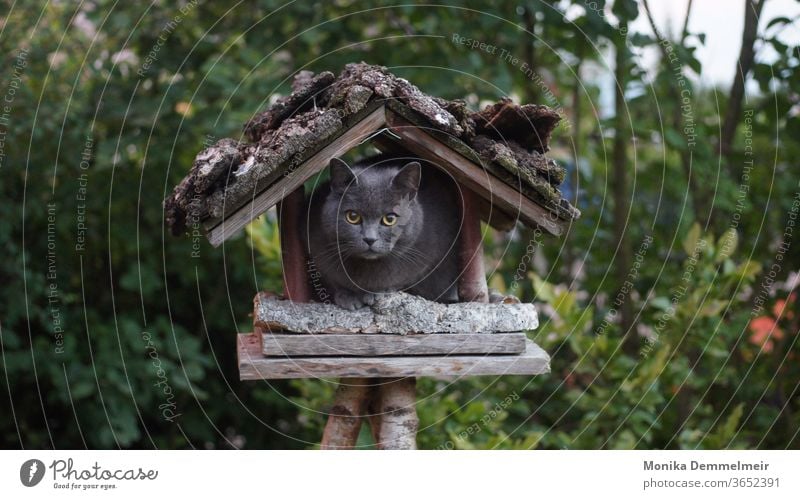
529 49
752 13
620 190
570 251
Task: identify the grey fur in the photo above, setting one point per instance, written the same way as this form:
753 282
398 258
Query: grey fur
417 255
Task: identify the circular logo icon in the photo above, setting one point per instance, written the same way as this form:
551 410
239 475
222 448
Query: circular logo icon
31 472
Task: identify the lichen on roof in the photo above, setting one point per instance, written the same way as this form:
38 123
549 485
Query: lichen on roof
510 140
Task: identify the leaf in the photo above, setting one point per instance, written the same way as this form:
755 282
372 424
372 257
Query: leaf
728 267
529 442
749 269
661 303
725 432
544 290
626 10
641 40
82 389
712 308
674 139
691 239
707 248
564 303
497 282
727 244
696 65
626 440
778 20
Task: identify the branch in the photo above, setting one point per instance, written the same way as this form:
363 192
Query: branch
752 12
685 30
654 27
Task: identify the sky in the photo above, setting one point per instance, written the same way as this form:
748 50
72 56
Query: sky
722 22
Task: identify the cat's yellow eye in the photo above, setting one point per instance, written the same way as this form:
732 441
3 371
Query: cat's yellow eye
352 217
389 219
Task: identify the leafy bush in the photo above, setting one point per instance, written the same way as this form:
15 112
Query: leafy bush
114 334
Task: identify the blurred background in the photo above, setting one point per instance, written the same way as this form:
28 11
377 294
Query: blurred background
670 309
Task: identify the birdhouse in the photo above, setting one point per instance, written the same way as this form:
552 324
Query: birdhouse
496 155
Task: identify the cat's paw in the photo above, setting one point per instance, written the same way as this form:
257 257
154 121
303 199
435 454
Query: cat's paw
368 299
354 301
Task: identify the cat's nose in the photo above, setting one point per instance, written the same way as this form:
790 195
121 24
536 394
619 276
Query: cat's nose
370 240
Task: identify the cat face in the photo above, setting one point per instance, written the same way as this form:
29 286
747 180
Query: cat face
374 208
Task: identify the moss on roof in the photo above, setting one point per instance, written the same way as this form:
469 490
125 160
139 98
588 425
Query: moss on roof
510 140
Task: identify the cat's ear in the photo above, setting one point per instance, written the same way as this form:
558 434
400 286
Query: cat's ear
407 179
341 175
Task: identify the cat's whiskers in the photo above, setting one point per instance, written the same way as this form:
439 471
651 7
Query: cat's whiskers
336 250
410 252
413 257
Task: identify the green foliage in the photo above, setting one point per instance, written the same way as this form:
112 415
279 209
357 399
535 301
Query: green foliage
108 323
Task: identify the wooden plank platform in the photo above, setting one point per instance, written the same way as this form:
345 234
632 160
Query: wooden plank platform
253 365
370 345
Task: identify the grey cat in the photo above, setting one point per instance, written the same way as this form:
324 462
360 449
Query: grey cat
385 224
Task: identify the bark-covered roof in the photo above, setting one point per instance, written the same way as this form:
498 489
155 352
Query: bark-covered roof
510 140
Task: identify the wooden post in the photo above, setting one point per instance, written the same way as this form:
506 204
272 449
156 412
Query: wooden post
396 415
388 404
293 254
373 410
344 420
472 284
